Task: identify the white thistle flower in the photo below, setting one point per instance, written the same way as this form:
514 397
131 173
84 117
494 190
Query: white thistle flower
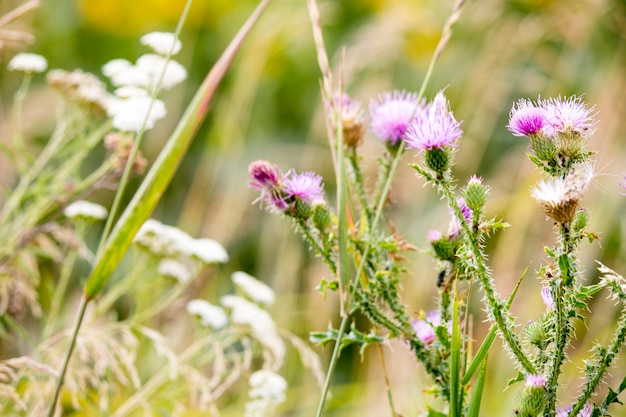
210 315
253 288
85 209
174 269
28 63
162 42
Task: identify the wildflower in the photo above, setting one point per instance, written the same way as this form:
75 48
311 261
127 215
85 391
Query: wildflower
569 115
392 113
253 288
268 178
260 321
536 381
210 315
131 114
81 87
434 235
174 269
526 119
352 120
163 43
115 66
28 63
443 246
153 65
171 242
306 186
267 390
546 296
559 197
425 328
435 127
586 411
86 210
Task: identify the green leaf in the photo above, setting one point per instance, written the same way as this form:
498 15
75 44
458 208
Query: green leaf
477 394
518 378
434 413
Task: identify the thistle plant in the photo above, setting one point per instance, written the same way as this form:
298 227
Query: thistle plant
367 263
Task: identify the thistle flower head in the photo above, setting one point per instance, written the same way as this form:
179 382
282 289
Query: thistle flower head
434 235
546 296
352 120
526 119
28 63
392 113
536 381
586 411
559 197
268 178
306 186
569 115
425 327
435 127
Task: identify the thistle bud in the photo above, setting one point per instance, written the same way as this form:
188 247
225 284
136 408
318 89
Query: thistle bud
443 247
476 193
321 215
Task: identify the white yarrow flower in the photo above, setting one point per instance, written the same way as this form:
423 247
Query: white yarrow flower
162 42
115 66
174 269
129 91
210 315
263 327
153 65
253 288
85 209
267 390
208 251
128 114
27 62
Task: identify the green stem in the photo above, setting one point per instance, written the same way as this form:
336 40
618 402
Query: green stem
497 309
333 362
602 365
360 184
315 244
68 354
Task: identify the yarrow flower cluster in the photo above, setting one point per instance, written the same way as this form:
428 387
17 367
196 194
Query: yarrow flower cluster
210 315
28 63
256 290
267 390
171 242
85 209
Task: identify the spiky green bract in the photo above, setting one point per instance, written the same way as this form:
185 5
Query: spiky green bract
475 194
438 160
532 398
321 216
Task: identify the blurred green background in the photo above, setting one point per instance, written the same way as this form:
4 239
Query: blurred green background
269 108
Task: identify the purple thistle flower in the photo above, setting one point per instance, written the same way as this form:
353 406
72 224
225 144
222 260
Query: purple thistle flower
585 412
526 119
623 184
264 175
536 381
425 328
307 186
567 115
267 178
391 114
434 235
435 127
546 295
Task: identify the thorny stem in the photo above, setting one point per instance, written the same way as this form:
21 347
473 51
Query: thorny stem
562 289
360 186
602 365
327 86
319 248
497 307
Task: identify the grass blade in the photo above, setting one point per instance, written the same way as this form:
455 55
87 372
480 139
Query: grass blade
477 395
491 336
455 362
